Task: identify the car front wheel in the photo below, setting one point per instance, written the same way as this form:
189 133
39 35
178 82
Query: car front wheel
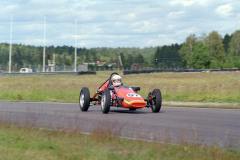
105 101
156 100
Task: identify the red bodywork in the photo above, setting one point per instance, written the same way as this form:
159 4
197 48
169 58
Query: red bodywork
122 96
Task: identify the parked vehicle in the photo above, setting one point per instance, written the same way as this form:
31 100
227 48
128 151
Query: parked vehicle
26 70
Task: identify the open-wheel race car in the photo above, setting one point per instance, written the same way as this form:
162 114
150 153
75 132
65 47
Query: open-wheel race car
113 93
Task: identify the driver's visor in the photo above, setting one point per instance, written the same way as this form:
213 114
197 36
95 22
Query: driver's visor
117 80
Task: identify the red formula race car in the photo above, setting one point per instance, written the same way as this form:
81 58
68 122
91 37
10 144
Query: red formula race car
113 93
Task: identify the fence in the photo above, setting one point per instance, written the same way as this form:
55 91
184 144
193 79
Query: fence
176 70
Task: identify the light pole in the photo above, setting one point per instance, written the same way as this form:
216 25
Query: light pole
10 47
75 56
44 43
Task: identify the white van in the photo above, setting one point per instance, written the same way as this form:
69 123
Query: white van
26 70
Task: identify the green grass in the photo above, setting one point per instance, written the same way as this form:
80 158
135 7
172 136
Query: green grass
28 143
184 87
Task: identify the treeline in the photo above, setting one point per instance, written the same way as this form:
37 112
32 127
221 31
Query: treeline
25 56
206 51
211 51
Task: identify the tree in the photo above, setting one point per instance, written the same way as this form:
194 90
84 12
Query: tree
17 57
156 58
234 49
130 61
139 58
4 55
187 48
167 56
226 41
200 57
216 50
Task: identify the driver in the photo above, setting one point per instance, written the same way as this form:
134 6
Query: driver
117 80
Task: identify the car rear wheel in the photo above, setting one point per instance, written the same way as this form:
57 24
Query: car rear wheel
156 100
105 101
84 99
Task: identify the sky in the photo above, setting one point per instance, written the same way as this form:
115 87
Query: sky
114 23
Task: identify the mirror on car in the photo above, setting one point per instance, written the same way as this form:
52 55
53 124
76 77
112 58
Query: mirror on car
136 89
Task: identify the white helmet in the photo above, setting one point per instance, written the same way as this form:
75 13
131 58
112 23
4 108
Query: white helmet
117 80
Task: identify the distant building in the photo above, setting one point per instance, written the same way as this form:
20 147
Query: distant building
100 63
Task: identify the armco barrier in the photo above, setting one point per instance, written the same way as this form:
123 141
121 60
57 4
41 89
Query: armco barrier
176 70
86 72
51 73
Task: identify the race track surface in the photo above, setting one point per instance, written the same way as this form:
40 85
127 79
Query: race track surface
171 125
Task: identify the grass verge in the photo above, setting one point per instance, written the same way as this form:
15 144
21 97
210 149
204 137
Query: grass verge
184 87
203 105
28 143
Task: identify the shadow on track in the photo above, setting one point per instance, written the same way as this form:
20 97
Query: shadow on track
133 112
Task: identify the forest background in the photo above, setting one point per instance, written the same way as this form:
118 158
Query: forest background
208 51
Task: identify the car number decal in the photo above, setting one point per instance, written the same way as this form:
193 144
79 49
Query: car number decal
133 95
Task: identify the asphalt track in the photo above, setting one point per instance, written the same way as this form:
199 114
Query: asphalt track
172 125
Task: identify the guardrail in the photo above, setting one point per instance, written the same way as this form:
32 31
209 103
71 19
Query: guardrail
177 70
124 72
50 73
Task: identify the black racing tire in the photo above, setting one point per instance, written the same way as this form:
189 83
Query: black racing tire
156 100
84 99
132 109
105 101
